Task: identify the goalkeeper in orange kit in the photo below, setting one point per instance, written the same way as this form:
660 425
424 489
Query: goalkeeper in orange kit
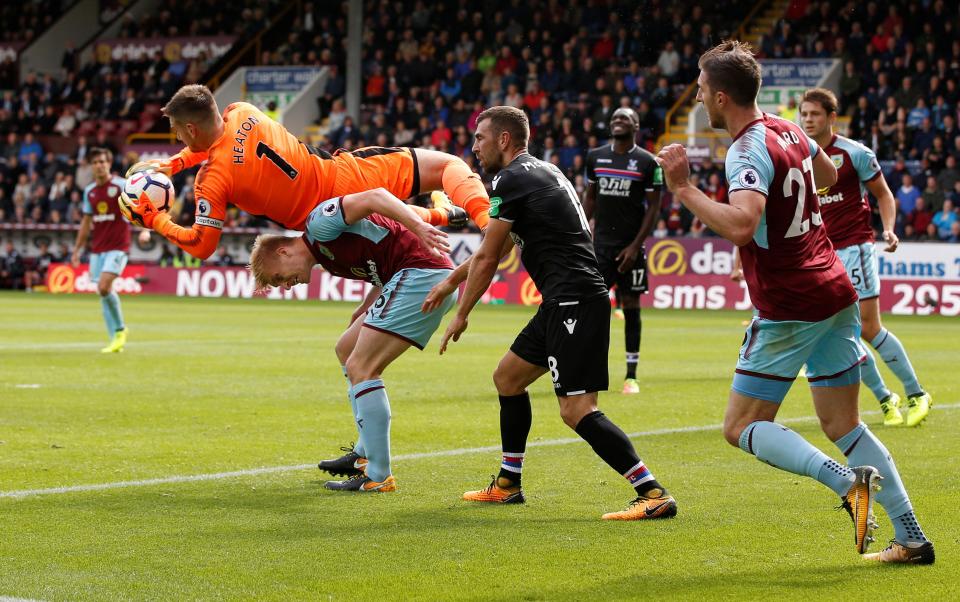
254 163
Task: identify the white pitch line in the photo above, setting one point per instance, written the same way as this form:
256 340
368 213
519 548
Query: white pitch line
23 493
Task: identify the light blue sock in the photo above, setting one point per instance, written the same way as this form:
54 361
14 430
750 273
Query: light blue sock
861 447
358 447
870 376
895 356
907 529
111 305
373 410
109 316
782 448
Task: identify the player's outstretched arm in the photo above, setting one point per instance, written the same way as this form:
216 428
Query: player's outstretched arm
445 287
737 222
362 204
483 265
888 211
200 241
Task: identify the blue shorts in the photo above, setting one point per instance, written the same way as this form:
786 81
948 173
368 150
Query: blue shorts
860 262
774 351
397 310
108 261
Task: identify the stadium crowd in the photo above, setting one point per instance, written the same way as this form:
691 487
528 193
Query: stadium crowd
569 65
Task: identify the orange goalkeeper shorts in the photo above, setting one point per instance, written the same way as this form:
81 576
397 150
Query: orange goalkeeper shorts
392 168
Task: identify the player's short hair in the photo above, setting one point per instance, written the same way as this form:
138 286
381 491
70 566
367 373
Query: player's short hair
730 67
97 151
823 97
192 104
508 119
264 247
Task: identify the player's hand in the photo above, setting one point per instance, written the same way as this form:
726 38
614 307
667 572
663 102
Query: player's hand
437 294
627 258
75 259
141 214
454 329
892 240
433 239
676 169
158 165
359 312
736 275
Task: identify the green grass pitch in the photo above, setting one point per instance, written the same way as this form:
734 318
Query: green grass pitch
213 386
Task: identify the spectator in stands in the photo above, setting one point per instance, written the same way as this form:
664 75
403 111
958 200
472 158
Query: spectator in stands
945 219
932 195
11 267
949 175
919 217
954 232
907 195
36 274
223 257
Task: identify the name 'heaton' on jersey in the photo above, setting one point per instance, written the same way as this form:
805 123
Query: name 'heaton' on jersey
549 227
111 232
844 206
622 183
790 267
373 249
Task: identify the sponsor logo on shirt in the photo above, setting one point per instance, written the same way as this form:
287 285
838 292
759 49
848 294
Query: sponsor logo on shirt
826 199
496 180
495 206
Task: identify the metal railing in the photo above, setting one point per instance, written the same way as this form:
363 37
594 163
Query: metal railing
684 100
213 82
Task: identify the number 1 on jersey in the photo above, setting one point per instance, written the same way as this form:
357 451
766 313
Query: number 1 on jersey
265 151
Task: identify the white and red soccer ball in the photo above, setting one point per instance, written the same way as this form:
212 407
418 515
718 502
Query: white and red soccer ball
150 187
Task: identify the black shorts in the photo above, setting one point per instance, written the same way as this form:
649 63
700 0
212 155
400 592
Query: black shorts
571 340
632 281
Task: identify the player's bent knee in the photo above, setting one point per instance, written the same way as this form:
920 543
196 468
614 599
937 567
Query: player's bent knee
343 349
358 370
870 329
506 382
732 429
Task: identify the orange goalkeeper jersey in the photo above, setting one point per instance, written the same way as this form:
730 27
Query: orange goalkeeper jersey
258 166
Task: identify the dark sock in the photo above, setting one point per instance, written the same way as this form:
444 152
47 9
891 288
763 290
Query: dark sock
614 447
516 417
631 335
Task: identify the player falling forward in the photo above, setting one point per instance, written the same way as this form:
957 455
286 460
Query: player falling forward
371 236
624 184
109 243
255 163
806 305
846 216
536 207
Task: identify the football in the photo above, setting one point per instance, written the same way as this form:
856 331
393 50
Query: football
150 187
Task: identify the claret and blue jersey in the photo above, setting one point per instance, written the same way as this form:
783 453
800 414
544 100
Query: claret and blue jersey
791 269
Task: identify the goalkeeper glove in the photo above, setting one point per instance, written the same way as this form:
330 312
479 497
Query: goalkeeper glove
141 214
